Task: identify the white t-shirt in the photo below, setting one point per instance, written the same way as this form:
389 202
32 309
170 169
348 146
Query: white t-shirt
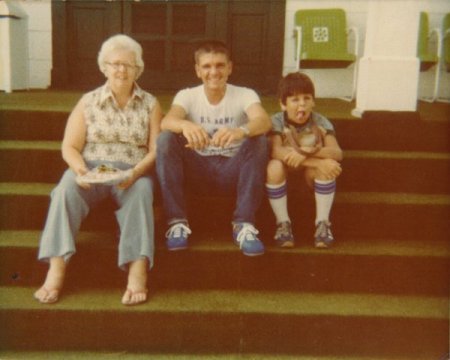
230 112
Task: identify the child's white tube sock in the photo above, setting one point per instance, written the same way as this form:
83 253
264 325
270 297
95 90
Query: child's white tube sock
278 201
324 191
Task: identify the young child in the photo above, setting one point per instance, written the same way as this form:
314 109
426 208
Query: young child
302 140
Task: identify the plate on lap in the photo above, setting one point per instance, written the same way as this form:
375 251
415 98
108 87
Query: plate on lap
105 175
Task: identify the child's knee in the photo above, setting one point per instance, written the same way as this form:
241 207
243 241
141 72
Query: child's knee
312 174
276 172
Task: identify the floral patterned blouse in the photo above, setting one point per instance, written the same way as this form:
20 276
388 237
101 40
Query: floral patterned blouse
115 134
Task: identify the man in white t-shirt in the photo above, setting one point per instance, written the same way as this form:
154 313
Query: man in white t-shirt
214 138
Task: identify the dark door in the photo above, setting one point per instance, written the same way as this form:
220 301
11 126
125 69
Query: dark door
168 31
255 33
79 28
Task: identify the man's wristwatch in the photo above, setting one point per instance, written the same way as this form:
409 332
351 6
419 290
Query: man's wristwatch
245 129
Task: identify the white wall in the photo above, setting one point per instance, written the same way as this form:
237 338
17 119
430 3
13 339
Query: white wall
338 82
39 41
13 47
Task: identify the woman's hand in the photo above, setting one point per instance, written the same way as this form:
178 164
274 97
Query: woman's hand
80 171
130 179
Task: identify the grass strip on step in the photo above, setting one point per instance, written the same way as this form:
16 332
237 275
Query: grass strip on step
64 101
364 198
350 154
29 145
392 198
199 244
398 155
242 302
36 189
105 355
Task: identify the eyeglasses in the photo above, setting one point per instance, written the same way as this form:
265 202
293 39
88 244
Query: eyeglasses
118 65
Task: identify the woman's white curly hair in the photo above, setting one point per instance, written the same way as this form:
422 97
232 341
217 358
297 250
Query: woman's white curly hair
120 42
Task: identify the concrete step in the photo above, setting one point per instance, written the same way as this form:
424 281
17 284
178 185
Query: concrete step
376 131
395 171
32 125
221 322
380 293
394 131
360 215
41 161
384 266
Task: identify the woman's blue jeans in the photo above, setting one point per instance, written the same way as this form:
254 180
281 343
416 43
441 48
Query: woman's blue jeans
242 175
70 204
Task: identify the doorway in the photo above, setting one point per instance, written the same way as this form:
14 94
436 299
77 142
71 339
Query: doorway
168 31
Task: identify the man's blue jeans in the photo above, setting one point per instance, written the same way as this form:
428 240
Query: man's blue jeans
242 175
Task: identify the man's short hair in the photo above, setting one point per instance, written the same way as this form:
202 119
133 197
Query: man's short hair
211 46
293 84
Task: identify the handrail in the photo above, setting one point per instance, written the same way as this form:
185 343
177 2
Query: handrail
354 30
437 33
298 31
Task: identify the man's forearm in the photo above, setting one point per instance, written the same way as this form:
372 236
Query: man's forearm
173 124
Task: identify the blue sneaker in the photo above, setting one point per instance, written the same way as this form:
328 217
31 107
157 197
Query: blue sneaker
244 235
323 238
177 236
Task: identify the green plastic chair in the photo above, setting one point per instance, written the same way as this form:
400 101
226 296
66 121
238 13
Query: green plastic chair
321 41
446 42
427 57
445 54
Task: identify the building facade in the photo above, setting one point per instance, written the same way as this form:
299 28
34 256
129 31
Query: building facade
64 38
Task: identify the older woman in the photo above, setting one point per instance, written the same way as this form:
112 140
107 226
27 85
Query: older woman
114 126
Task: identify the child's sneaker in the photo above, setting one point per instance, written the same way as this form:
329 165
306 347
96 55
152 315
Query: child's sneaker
177 236
323 237
244 235
283 235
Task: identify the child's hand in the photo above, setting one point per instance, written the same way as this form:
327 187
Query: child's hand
329 169
293 159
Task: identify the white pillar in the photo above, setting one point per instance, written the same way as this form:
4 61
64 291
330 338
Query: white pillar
389 70
13 46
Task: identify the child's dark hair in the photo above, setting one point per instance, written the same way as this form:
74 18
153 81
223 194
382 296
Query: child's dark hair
211 46
295 83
